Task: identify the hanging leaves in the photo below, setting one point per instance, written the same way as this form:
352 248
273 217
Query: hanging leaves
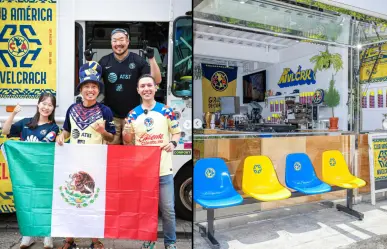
325 60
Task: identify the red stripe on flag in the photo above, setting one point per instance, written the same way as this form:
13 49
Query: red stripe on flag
132 192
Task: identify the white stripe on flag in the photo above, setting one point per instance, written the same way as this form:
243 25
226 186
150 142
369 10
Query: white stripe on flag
72 221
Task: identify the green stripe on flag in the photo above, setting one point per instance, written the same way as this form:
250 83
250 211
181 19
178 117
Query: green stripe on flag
31 167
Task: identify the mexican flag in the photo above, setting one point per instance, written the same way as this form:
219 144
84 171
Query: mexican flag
90 191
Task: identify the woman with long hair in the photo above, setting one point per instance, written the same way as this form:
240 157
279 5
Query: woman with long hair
39 128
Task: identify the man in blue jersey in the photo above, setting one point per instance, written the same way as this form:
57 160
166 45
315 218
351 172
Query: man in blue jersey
155 124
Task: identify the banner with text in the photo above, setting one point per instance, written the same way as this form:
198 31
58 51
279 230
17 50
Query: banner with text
377 152
369 57
217 81
27 49
6 195
379 146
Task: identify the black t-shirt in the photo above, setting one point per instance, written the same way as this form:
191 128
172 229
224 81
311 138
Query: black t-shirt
120 79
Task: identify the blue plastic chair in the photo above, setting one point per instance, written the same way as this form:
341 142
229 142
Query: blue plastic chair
300 175
212 184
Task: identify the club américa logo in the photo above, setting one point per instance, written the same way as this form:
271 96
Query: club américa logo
18 46
23 45
210 173
257 169
80 190
297 166
219 81
148 122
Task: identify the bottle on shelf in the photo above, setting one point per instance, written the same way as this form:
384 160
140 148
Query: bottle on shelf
380 98
364 100
271 106
372 99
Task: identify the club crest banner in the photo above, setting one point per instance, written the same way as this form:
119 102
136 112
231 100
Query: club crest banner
27 49
217 81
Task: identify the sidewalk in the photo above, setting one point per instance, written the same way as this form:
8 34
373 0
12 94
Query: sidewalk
8 222
10 237
303 227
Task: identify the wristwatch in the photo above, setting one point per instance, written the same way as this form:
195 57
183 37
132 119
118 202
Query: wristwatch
174 143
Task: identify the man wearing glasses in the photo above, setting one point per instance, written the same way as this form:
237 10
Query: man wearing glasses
121 71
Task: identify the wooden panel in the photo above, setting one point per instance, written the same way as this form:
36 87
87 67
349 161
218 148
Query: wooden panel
363 162
278 148
210 148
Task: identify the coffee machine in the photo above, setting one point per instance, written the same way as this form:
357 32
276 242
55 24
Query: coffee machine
299 114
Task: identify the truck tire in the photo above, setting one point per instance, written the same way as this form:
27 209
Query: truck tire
183 192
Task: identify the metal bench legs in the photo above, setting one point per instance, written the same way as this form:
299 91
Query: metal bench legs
348 209
209 232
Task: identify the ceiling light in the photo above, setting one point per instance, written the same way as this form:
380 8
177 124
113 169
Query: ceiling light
359 46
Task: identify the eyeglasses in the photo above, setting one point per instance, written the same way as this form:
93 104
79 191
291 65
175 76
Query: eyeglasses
119 30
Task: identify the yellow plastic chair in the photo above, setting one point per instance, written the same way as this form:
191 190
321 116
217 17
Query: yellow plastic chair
335 171
260 180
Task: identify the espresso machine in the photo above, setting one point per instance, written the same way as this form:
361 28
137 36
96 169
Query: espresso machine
299 114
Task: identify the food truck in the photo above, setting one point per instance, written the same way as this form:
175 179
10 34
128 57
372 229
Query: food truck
43 44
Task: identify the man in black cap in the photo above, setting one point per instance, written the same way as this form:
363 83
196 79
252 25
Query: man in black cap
121 71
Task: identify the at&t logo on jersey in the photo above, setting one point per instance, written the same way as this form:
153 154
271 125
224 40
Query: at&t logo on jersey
125 76
148 122
112 77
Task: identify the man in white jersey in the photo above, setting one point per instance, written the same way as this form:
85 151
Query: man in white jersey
155 124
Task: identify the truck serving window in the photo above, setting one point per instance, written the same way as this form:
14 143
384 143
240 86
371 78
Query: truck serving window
182 57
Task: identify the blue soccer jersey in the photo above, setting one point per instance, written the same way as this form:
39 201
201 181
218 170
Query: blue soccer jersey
42 133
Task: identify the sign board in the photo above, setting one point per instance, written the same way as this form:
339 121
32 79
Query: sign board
378 163
6 195
27 50
301 77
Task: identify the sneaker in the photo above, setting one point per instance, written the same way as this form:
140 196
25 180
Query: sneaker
98 245
171 246
148 245
26 242
68 245
47 242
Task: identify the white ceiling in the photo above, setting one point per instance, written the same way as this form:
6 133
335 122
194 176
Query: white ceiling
241 38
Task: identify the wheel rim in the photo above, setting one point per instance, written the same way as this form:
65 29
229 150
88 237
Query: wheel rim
185 193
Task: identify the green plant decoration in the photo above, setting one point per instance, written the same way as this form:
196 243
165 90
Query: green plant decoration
332 96
357 15
325 60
